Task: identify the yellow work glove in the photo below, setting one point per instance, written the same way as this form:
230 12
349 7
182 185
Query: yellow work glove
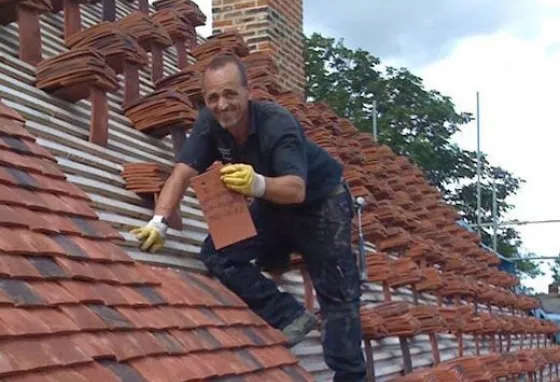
243 178
151 236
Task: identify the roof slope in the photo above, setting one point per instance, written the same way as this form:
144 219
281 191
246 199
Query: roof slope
75 306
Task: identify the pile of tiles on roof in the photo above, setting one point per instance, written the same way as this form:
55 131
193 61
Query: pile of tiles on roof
187 81
188 10
144 177
69 75
113 42
161 110
145 29
96 56
262 72
403 319
523 365
228 42
174 24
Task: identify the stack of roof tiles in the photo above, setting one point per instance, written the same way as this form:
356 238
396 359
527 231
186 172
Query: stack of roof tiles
115 44
262 72
186 81
188 9
70 75
156 113
144 29
76 307
144 177
174 24
492 367
228 42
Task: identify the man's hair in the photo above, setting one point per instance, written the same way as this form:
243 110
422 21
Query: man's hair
223 59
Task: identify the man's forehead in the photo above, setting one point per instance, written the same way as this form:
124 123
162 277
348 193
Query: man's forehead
227 73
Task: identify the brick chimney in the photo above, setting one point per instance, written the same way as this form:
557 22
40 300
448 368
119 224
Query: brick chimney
553 288
268 25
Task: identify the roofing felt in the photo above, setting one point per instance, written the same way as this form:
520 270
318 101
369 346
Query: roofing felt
74 306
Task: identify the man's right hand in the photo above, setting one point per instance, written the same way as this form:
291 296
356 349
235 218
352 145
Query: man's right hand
151 236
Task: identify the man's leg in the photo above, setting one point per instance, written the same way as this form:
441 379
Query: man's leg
323 236
232 266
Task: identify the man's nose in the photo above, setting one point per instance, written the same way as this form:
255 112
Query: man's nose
222 104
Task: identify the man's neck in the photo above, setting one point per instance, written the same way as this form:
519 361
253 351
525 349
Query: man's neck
240 132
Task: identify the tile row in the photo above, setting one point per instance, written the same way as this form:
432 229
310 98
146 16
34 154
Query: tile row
403 320
492 367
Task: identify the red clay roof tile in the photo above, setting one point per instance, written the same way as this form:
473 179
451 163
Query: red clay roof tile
93 312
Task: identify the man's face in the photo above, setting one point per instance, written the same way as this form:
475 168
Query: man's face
225 96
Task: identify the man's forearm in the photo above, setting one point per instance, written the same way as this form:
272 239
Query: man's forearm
173 190
289 189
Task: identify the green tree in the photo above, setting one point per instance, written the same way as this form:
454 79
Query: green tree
414 122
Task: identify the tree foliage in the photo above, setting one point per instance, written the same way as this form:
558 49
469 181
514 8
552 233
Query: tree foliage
414 122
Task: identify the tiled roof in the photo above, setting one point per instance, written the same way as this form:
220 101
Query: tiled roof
67 284
75 307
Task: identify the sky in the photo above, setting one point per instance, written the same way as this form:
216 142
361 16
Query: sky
507 50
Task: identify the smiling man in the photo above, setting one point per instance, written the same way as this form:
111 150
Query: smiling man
301 204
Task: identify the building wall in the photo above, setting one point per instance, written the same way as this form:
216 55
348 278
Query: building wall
268 25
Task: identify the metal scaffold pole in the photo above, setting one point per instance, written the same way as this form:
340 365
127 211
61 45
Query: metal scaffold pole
478 166
494 217
374 118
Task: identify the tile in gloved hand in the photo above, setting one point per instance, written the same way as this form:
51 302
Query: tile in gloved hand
225 211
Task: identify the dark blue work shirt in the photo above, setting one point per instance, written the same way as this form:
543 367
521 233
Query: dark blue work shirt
276 146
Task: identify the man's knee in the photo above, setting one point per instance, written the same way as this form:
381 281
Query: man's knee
215 264
222 264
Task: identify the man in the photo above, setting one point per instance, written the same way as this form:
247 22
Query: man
300 205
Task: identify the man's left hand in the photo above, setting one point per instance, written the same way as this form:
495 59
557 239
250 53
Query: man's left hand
243 178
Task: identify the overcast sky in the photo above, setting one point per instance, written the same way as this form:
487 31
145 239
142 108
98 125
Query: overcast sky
508 50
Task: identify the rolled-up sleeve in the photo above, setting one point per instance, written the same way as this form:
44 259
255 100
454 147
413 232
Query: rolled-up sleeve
287 146
199 151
